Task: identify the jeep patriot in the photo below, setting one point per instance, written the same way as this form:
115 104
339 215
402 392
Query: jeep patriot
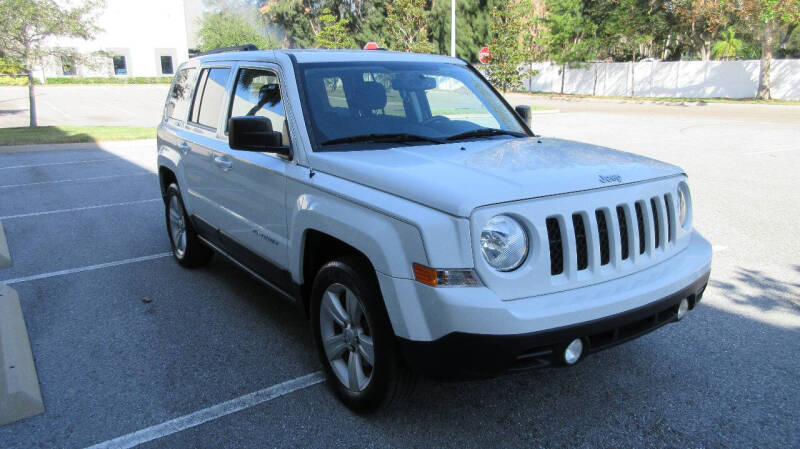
416 220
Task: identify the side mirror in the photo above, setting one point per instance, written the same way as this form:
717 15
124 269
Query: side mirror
252 133
524 112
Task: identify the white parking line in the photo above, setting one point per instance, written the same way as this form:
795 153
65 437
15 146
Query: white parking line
211 413
62 163
117 263
73 180
75 209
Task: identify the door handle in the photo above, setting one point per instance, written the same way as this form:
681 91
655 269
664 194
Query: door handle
223 162
184 147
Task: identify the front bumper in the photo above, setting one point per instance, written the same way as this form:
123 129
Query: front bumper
467 356
472 333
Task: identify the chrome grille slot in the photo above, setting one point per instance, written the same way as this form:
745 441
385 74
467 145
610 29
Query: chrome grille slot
580 241
624 238
640 226
602 228
556 246
670 219
655 221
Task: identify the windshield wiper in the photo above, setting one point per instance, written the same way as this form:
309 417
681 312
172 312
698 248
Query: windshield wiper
395 137
484 132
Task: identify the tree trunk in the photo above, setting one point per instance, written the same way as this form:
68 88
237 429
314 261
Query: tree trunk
767 43
31 100
563 76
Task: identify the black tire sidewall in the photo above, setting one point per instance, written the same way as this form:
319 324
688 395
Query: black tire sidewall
363 286
173 190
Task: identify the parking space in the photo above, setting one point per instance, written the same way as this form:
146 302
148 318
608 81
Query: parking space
86 231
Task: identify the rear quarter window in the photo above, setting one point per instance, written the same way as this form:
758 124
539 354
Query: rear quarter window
180 94
209 97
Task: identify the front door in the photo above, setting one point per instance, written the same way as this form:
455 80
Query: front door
252 190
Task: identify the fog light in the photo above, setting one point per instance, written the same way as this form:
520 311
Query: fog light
683 307
573 352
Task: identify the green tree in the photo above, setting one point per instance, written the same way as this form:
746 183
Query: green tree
571 36
225 29
472 27
508 45
299 20
406 26
333 32
767 18
728 46
25 26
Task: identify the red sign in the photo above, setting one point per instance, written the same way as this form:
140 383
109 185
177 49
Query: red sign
485 56
371 46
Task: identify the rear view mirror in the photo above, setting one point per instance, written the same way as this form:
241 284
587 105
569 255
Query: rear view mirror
524 112
414 82
250 133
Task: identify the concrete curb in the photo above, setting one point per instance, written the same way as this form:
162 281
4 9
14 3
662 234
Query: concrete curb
5 255
20 396
110 145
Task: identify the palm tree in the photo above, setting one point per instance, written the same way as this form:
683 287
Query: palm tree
728 46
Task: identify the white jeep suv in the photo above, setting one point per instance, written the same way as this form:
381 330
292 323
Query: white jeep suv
404 207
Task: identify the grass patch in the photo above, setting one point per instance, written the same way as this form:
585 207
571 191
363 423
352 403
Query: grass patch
666 99
73 134
111 80
8 80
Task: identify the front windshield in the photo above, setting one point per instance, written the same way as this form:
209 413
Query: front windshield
412 102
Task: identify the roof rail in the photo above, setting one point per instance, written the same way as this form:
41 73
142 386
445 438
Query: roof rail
246 47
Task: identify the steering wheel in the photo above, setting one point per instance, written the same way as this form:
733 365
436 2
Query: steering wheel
437 119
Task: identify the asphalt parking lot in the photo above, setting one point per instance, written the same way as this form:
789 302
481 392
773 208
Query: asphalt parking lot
86 232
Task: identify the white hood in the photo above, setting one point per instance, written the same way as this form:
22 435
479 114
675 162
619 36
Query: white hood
490 171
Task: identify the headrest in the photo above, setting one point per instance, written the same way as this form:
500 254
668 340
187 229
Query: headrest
370 95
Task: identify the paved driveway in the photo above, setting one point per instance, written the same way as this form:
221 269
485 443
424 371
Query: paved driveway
127 105
87 235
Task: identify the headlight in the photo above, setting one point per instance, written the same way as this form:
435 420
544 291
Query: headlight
683 204
504 243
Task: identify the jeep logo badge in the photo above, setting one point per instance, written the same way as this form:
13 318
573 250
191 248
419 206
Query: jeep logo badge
610 178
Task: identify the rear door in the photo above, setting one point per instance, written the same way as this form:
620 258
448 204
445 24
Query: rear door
205 147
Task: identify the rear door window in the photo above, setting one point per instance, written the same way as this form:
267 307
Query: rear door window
209 97
179 96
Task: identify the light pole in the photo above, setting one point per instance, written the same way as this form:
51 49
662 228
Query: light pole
453 28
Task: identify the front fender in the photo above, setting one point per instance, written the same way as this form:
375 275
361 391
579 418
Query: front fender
391 245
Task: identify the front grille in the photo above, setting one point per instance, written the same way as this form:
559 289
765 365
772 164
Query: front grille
631 222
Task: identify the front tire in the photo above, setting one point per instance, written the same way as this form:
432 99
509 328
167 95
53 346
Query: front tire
187 248
354 337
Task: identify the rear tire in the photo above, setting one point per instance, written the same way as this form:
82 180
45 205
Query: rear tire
188 250
359 353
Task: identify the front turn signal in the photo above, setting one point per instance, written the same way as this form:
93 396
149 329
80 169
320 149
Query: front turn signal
445 278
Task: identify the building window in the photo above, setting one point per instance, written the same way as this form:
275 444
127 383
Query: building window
68 66
120 65
166 65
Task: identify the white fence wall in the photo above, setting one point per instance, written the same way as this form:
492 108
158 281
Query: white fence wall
703 79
